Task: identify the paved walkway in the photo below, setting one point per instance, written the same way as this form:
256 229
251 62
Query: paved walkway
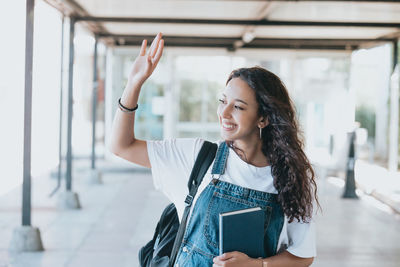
355 233
120 215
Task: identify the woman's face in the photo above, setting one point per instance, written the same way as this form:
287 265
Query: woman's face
237 112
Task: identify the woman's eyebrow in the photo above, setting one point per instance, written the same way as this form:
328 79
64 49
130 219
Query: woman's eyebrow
237 99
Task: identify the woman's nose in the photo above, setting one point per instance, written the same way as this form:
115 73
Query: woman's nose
225 111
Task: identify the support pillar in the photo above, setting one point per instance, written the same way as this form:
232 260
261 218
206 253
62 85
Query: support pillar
95 175
69 199
27 238
350 183
58 173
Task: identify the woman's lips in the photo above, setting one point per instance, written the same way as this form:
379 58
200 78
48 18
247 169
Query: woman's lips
228 126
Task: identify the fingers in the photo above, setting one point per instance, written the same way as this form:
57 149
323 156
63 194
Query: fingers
154 45
159 52
219 260
144 44
227 255
155 48
143 48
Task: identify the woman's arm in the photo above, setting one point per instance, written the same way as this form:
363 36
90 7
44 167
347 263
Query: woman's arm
123 142
238 259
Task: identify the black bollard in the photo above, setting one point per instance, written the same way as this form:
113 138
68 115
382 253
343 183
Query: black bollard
350 185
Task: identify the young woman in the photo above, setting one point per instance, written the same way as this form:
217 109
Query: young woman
260 162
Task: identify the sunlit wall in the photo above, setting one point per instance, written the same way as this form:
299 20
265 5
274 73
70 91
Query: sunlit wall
45 92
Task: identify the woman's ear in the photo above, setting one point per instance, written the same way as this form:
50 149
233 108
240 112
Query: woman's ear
263 122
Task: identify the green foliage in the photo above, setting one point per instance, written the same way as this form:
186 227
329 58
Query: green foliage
193 95
366 116
190 101
148 125
213 91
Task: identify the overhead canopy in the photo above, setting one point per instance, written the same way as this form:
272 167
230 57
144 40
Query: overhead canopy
239 23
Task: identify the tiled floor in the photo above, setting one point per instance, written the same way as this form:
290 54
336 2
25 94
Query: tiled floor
356 233
118 217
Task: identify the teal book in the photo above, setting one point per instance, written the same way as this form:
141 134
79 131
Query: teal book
243 231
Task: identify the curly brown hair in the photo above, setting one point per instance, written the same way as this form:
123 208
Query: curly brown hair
282 143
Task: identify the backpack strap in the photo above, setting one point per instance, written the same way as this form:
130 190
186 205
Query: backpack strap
201 165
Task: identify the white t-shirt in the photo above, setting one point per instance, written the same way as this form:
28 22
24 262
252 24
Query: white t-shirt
172 161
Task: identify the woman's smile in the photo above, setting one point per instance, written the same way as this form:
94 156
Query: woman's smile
228 126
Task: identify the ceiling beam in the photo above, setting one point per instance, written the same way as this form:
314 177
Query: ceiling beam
248 32
262 22
227 42
252 45
71 8
212 38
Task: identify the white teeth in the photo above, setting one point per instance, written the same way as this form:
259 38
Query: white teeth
229 126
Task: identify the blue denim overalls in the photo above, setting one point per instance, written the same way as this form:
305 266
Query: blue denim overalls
200 242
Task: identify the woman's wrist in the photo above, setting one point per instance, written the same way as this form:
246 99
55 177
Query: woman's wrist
134 84
130 96
260 262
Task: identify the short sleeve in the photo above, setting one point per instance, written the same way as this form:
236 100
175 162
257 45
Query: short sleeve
302 237
171 162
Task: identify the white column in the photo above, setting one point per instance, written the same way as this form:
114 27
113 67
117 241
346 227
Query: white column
310 122
170 100
109 104
382 110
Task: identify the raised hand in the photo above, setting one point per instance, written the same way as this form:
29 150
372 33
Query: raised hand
145 63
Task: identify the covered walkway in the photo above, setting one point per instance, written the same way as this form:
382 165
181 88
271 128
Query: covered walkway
318 48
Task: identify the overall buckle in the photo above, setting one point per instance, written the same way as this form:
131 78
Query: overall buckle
188 200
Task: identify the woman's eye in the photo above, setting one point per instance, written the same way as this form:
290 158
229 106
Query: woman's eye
222 101
237 107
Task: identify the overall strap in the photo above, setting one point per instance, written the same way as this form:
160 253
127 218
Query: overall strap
201 165
220 160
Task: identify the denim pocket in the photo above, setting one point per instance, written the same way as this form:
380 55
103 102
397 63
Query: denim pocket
195 258
220 203
183 256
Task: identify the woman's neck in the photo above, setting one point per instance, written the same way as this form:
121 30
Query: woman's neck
251 153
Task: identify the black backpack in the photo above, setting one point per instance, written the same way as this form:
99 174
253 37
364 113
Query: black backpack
167 238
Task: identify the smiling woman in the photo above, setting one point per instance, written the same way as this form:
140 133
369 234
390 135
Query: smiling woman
259 163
